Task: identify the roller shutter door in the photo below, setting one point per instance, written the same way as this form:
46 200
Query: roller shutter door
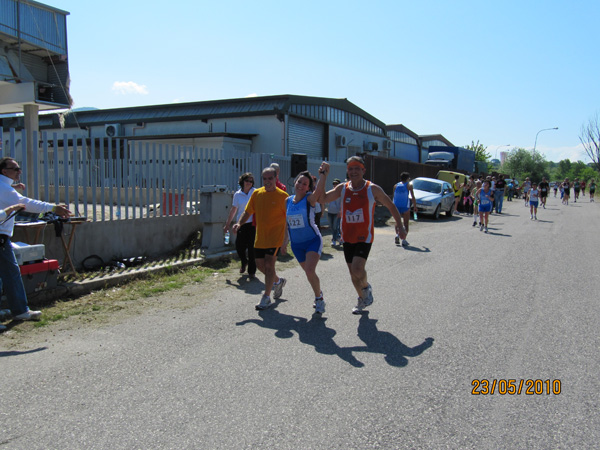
307 137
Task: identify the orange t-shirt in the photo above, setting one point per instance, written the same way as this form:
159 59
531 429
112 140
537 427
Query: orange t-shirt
270 213
358 212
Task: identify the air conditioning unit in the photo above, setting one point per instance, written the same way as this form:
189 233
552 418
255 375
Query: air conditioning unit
340 141
371 146
112 130
387 145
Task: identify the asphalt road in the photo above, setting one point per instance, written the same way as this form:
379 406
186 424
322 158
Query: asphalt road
458 305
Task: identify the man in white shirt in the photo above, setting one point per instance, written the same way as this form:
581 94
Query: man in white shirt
10 203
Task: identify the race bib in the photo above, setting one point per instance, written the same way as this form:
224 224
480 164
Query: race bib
295 221
355 216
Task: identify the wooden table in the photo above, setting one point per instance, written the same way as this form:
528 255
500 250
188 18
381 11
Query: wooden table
34 227
67 247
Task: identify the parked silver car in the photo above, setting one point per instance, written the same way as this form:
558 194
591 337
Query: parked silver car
433 196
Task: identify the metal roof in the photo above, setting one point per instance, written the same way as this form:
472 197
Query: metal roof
402 129
252 106
435 137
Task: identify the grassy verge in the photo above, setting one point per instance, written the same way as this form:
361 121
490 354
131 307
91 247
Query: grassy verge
148 286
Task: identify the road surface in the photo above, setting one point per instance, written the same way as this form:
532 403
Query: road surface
454 312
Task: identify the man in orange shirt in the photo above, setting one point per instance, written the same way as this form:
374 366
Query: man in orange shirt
359 197
268 205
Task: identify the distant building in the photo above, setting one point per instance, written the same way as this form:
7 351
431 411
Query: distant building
34 68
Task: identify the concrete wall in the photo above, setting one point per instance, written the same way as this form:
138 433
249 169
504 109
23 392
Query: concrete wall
119 238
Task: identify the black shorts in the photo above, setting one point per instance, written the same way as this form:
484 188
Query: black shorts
543 194
260 253
360 249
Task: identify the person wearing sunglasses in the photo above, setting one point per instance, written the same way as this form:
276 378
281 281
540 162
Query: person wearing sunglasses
10 203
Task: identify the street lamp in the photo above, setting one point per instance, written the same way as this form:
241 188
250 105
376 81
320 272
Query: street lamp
496 155
545 129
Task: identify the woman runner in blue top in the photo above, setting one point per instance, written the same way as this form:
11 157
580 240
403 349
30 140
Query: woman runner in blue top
305 238
485 198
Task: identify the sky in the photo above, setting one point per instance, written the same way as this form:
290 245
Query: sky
496 72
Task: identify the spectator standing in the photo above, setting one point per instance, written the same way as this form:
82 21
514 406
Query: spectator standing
457 192
509 188
334 215
268 205
10 202
499 193
404 197
278 183
359 197
244 242
467 198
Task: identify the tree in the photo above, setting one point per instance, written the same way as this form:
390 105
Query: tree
521 163
480 151
590 139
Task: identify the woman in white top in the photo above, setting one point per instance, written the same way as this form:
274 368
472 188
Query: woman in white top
244 243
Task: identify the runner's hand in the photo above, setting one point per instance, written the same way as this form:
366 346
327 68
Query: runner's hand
324 169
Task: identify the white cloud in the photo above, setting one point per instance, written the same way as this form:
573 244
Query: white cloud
251 95
556 154
129 87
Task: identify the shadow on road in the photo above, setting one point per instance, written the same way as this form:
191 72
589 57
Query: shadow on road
249 286
396 353
496 233
312 332
18 353
412 248
316 333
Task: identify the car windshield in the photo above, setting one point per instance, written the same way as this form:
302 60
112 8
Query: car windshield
427 186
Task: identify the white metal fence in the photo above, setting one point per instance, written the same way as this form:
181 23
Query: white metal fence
109 179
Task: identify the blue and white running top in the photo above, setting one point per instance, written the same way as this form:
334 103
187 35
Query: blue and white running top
401 197
484 197
301 219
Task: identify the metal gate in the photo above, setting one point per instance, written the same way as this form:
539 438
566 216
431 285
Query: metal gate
305 136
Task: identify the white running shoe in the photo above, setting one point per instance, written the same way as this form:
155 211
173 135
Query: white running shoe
278 288
367 295
359 306
481 227
29 315
264 303
485 230
404 243
319 306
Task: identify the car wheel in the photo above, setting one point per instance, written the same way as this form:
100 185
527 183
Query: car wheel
450 211
436 214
